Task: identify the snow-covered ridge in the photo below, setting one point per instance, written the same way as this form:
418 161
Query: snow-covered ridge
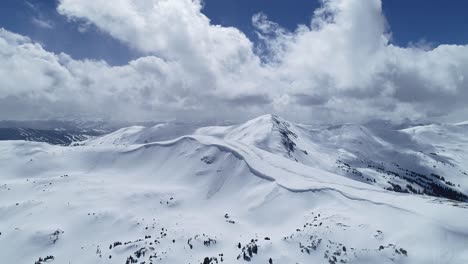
464 123
398 160
142 135
268 132
233 194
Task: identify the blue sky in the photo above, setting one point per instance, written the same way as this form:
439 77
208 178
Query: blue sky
411 21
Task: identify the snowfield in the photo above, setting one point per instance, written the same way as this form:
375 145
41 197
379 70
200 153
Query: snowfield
266 191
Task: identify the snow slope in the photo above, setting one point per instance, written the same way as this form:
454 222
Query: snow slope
141 134
464 123
399 160
223 195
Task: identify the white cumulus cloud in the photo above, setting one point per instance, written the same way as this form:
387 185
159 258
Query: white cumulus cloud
342 66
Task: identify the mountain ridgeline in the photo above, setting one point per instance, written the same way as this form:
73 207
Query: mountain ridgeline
264 191
401 160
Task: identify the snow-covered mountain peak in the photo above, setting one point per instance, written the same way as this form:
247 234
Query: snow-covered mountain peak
268 132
